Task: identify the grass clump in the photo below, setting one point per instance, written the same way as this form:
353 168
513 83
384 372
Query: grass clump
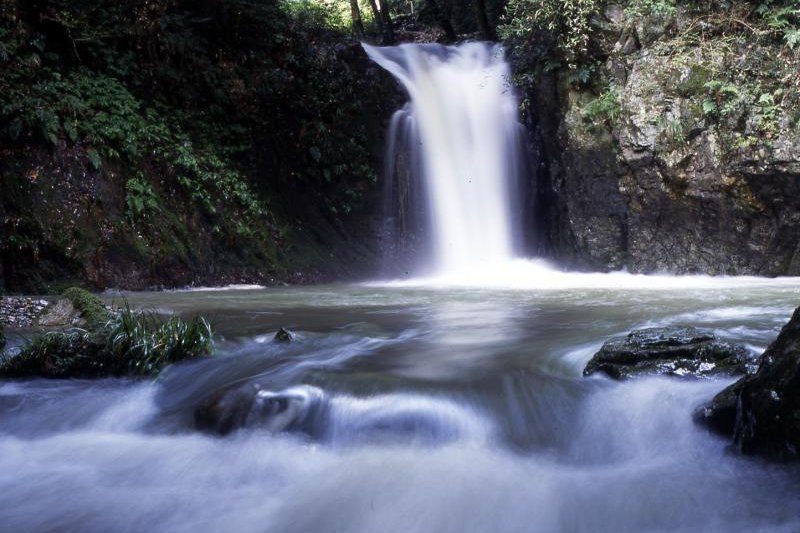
129 343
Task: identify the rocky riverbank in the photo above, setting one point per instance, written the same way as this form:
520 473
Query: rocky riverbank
21 311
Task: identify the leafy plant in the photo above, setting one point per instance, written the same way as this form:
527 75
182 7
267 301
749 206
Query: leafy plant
141 199
782 18
567 21
129 343
768 110
145 343
642 8
724 98
605 108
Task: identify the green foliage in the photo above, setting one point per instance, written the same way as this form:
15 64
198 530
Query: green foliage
88 305
724 98
768 109
674 130
605 108
80 106
141 199
145 344
186 116
567 21
332 14
129 343
643 8
782 18
57 354
582 75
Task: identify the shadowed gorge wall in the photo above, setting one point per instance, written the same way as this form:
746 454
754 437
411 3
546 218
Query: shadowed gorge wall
181 142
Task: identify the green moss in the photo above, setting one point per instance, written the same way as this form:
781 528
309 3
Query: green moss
695 82
89 306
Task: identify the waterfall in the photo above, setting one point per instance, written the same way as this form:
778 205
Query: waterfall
458 142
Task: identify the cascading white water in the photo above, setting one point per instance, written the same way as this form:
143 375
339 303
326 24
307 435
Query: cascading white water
461 127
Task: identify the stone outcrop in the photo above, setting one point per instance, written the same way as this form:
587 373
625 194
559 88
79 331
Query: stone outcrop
762 411
675 351
678 155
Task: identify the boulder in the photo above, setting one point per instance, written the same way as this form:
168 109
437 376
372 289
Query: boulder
762 411
251 405
676 351
61 313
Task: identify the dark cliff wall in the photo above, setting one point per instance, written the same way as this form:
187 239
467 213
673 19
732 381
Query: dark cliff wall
182 142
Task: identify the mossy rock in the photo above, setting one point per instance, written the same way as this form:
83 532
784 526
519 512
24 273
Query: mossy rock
88 305
694 83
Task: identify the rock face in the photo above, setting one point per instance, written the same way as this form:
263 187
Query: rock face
762 411
676 351
673 156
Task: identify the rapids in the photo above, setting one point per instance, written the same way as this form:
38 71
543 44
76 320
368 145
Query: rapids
446 409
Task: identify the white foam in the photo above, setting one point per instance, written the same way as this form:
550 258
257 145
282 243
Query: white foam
233 287
537 274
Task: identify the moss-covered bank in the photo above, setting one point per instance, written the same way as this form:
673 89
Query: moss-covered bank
175 142
121 342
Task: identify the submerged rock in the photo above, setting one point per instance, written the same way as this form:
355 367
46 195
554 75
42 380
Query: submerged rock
762 411
251 405
283 335
677 351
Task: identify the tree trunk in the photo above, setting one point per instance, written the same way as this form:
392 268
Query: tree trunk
376 15
355 14
483 20
388 32
442 16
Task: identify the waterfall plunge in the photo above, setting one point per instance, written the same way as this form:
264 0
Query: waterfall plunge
460 133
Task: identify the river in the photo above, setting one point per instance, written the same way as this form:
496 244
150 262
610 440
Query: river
435 409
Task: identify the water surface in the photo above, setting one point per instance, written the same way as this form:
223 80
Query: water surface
436 409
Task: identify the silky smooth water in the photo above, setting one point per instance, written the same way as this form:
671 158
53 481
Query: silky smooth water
460 132
436 410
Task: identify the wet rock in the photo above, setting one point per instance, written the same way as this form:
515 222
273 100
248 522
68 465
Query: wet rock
2 338
251 405
676 351
762 411
283 335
